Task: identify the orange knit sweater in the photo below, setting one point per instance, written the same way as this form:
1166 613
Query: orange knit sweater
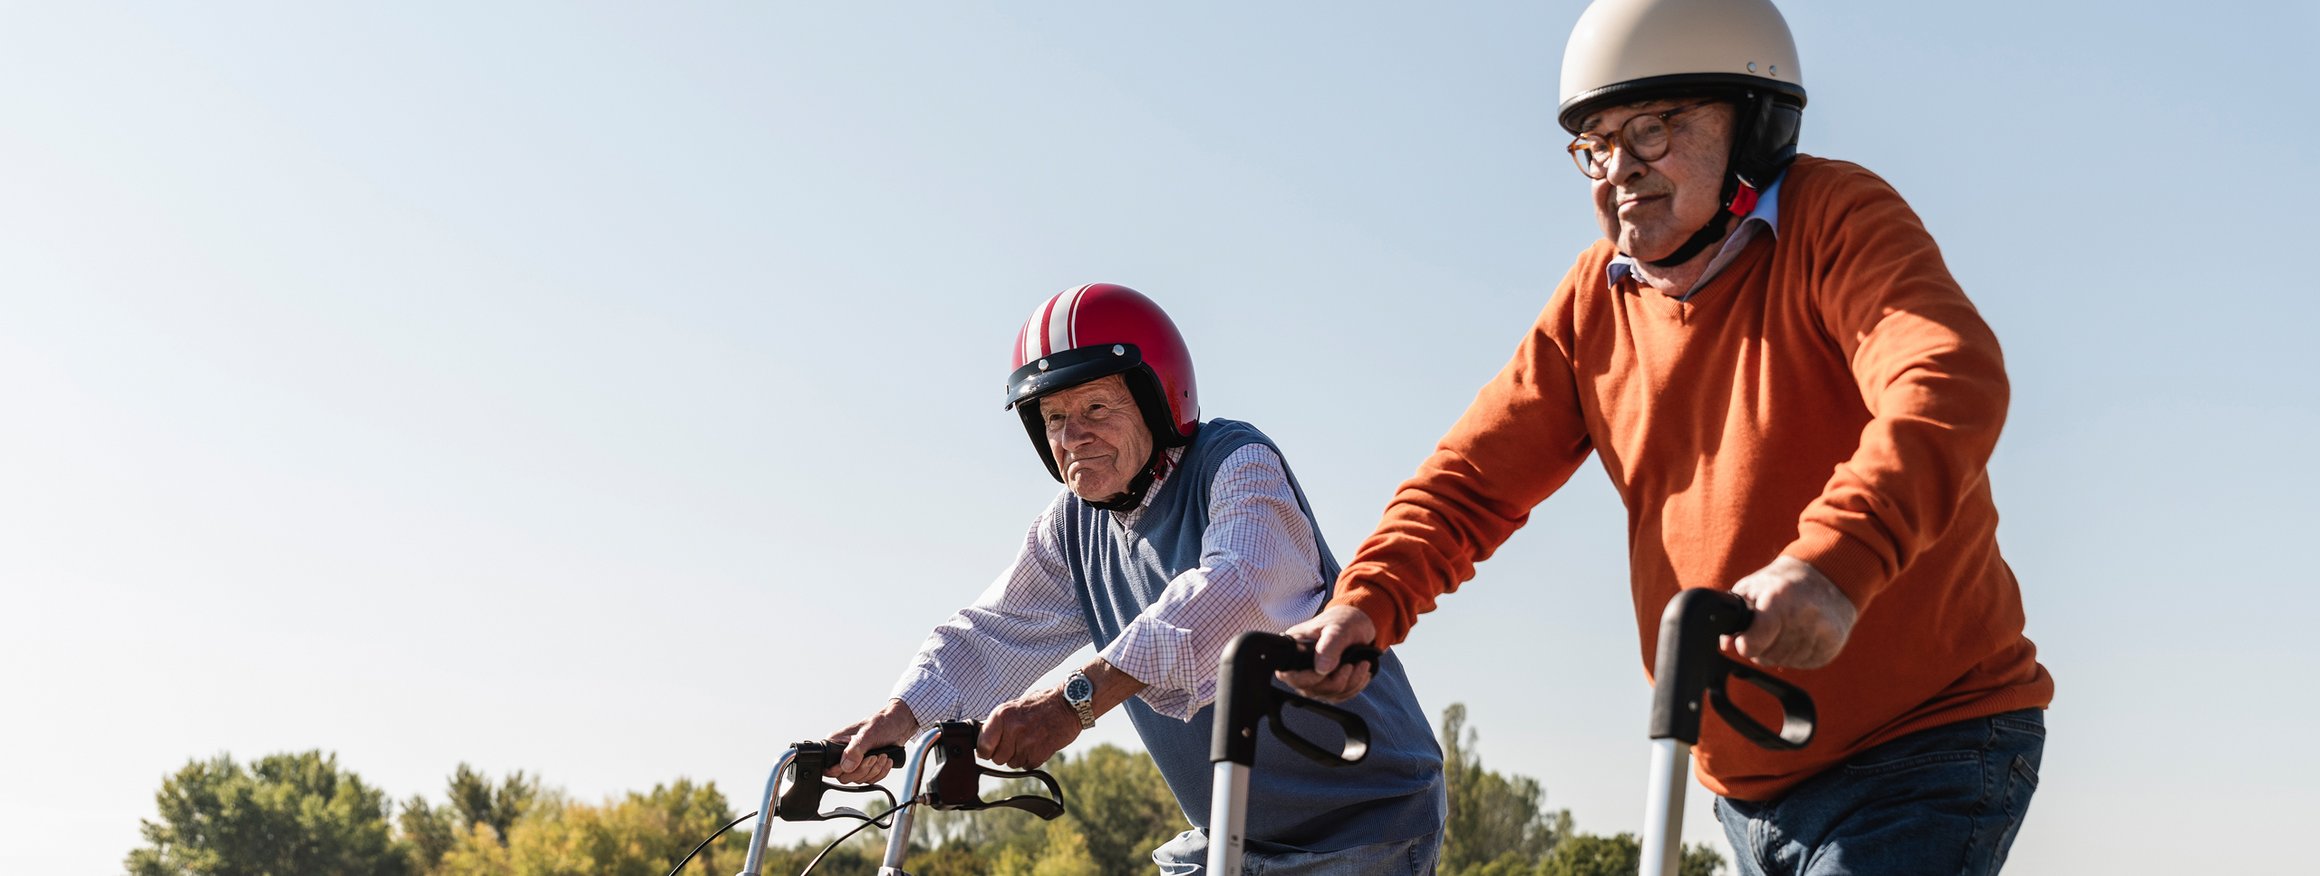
1831 396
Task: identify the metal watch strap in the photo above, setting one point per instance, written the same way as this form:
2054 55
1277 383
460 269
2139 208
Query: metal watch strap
1085 707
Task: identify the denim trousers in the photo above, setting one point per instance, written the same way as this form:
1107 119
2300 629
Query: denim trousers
1187 855
1945 800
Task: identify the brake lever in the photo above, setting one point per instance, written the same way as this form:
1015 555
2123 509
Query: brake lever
1356 730
1797 716
802 799
958 782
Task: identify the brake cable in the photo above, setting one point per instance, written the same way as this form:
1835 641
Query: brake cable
956 786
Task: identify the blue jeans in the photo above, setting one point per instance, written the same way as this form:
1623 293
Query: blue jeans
1946 800
1187 855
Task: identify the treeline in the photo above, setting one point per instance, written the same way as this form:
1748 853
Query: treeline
304 814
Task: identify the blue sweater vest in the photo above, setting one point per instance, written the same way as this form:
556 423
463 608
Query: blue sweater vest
1294 804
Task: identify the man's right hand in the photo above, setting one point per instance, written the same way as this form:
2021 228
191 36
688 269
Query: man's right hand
892 725
1331 632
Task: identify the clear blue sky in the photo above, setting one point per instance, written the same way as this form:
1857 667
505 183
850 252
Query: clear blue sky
611 391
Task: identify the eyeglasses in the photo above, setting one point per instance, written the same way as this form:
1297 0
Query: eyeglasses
1645 138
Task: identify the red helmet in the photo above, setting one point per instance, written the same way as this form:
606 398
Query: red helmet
1094 331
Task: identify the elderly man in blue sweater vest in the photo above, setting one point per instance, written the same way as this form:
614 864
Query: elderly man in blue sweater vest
1172 537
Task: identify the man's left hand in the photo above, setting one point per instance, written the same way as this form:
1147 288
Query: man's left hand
1331 632
1802 619
1024 733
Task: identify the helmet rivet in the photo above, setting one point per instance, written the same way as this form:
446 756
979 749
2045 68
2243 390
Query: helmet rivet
1042 364
1118 350
1776 69
1752 66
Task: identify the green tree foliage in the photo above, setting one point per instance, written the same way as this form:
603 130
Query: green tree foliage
474 853
1497 826
478 801
299 814
1062 852
427 833
1699 859
858 856
285 813
685 814
639 835
953 859
1591 855
1116 805
1121 806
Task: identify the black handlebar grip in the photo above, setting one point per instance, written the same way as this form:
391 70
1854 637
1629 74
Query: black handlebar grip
1690 652
1358 654
818 755
1246 695
801 800
1691 666
1301 660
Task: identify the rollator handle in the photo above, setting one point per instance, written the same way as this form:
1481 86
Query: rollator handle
1691 665
958 783
1246 695
801 800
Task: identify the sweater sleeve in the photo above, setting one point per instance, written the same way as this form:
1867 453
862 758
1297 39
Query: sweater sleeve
1518 442
1929 372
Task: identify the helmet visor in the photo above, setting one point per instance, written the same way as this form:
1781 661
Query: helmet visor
1070 368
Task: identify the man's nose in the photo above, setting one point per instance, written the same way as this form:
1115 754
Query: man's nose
1623 166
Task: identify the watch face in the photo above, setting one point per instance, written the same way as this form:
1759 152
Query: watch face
1079 689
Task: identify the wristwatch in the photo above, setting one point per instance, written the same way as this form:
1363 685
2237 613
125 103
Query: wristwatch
1081 694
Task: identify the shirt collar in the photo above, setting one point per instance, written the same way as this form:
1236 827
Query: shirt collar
1766 214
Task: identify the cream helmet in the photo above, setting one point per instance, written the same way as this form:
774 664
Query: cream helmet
1628 51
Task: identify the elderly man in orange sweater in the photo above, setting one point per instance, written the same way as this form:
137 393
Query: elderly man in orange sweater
1797 403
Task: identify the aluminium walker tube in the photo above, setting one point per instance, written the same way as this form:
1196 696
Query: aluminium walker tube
1228 816
761 832
1663 807
898 837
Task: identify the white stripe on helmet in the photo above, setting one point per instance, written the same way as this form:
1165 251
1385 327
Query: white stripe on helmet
1060 331
1035 331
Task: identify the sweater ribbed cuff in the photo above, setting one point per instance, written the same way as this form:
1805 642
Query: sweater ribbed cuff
1385 612
1854 567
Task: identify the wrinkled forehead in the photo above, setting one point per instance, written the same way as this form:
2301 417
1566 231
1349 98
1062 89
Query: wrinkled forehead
1109 389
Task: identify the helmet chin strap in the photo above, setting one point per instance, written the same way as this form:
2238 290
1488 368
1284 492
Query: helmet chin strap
1709 233
1137 486
1737 198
